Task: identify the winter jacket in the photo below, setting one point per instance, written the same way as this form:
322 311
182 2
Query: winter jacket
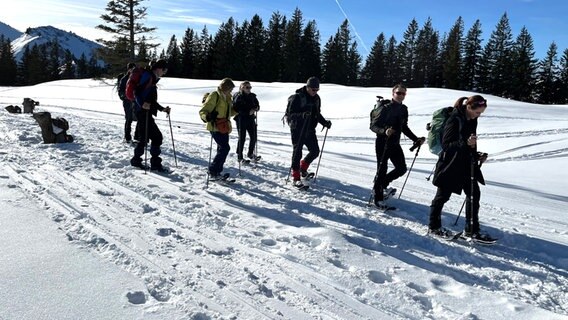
396 117
146 91
453 168
245 104
220 102
304 107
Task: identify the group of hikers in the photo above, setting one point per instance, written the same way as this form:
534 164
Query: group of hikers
457 168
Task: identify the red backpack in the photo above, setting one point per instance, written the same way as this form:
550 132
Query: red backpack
134 81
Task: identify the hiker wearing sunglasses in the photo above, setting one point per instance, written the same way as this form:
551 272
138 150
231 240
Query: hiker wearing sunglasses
387 144
246 105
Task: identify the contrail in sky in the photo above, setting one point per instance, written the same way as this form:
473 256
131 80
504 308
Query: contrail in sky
352 26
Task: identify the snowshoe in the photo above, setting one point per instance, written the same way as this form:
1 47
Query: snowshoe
254 158
382 205
225 177
388 193
162 170
298 184
477 237
442 234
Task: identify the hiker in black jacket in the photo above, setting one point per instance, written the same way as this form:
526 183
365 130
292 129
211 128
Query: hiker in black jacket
246 104
454 167
387 144
304 114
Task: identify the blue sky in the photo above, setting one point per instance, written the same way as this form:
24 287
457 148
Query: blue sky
545 19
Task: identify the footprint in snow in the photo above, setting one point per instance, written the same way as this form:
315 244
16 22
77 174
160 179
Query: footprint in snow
137 297
379 277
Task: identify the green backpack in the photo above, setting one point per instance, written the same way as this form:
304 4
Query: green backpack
436 128
378 115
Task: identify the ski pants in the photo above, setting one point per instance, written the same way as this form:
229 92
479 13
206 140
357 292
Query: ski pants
223 148
245 125
471 216
386 152
310 140
154 134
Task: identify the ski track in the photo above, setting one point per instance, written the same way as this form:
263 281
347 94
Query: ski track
179 251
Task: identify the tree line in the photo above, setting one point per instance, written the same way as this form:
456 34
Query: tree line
290 50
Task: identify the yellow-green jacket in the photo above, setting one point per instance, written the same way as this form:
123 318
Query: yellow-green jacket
220 102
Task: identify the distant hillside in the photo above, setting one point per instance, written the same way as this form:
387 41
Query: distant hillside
67 40
9 32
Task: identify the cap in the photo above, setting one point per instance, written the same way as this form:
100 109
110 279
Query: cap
160 64
313 82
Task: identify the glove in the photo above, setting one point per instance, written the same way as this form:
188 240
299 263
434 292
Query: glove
417 143
146 106
327 124
211 116
306 115
167 110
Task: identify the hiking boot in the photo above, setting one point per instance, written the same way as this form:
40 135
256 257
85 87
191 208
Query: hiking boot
440 232
160 169
137 163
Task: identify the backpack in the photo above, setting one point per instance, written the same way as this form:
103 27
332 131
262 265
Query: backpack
121 85
379 114
137 77
303 101
436 128
205 97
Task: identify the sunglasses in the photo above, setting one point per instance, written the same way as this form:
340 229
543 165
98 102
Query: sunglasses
248 87
400 93
480 103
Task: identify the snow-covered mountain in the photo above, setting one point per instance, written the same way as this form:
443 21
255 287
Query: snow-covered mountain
67 40
87 236
9 32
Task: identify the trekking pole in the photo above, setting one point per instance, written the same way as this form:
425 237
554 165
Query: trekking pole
378 170
209 163
146 142
172 134
431 173
417 147
321 153
239 127
256 134
472 178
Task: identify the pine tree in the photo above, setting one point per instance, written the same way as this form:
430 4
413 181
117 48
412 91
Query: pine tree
563 98
291 49
173 58
524 67
426 55
310 52
222 51
255 56
8 66
451 56
123 21
188 53
407 53
203 57
471 59
241 46
273 54
393 74
373 73
547 90
496 64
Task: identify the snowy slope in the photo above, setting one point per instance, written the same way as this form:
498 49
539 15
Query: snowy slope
260 250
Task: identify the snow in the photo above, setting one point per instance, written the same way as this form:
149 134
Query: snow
86 236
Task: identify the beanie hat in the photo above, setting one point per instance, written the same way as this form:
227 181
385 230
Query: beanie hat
226 84
313 82
160 64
